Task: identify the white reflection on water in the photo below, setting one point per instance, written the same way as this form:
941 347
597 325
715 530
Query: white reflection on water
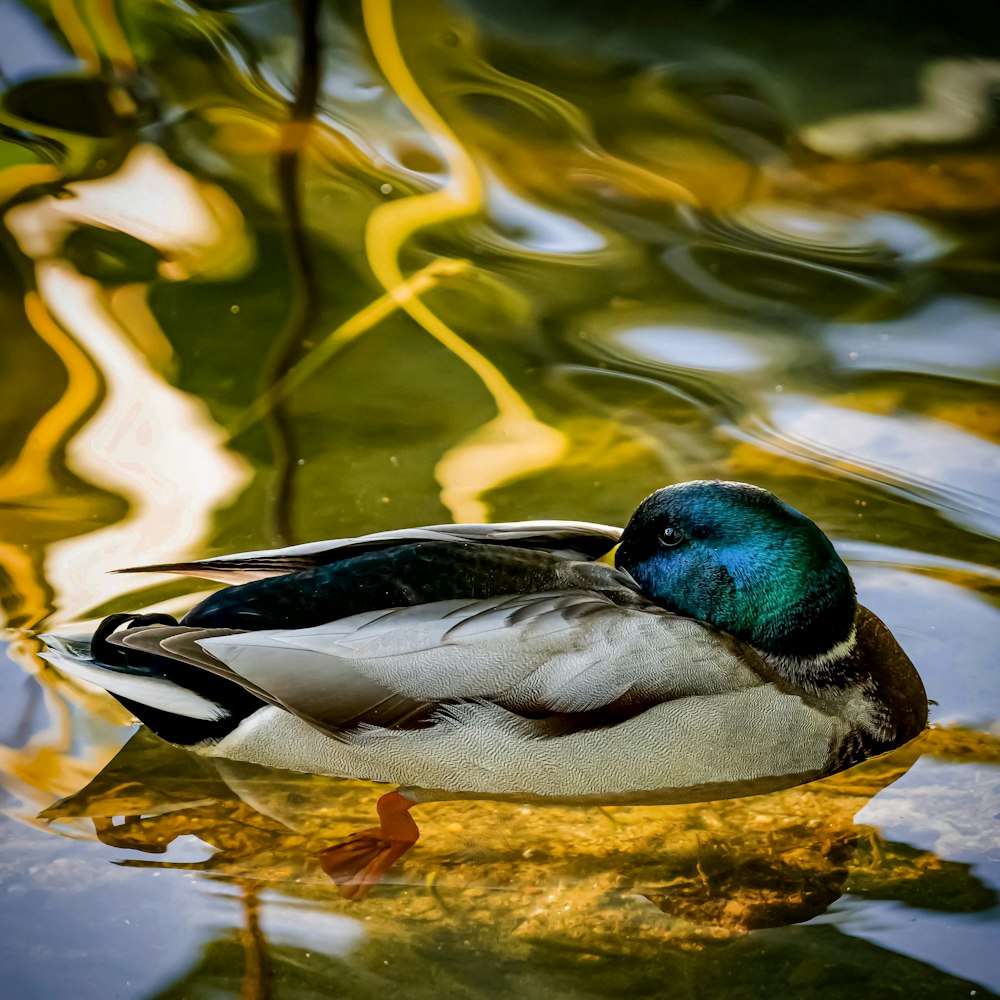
197 227
945 807
929 460
956 106
525 225
695 340
700 348
950 809
867 237
950 335
148 442
301 924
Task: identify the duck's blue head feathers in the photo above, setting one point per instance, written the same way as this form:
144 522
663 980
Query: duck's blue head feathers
738 557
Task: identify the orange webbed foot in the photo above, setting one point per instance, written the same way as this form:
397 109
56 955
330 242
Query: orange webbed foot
360 861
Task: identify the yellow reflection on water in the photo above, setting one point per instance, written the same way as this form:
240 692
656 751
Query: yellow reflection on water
515 443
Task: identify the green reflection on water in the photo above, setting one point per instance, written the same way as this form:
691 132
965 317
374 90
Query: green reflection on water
676 271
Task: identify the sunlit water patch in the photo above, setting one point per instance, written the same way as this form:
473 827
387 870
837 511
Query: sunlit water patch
950 469
690 341
948 336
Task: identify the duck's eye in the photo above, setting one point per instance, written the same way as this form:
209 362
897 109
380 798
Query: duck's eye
670 537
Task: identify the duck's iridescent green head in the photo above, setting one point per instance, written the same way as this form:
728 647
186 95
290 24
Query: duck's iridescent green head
738 557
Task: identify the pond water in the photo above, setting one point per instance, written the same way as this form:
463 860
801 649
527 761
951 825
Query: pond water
275 272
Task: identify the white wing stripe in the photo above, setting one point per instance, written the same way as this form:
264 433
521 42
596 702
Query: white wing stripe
153 691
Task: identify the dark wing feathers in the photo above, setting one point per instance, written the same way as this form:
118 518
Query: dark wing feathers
567 539
231 569
417 573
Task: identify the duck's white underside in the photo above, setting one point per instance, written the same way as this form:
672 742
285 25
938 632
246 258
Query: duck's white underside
737 737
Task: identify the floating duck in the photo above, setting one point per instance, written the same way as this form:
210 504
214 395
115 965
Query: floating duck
724 654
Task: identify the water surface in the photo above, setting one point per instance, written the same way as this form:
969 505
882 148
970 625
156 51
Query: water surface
277 272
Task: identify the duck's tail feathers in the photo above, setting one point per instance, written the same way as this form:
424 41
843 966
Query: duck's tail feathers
179 702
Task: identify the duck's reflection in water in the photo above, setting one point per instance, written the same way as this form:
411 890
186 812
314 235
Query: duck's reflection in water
713 868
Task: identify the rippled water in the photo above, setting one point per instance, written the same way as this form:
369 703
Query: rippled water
431 261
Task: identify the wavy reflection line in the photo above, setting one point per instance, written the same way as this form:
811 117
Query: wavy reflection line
370 316
515 443
559 111
957 101
110 37
31 473
74 29
76 321
29 479
304 304
149 442
94 32
120 426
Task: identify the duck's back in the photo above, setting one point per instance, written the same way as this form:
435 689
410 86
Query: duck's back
404 575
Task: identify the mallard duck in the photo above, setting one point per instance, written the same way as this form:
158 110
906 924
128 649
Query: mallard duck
724 653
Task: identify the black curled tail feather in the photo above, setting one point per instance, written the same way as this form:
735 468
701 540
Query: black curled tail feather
236 702
104 652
